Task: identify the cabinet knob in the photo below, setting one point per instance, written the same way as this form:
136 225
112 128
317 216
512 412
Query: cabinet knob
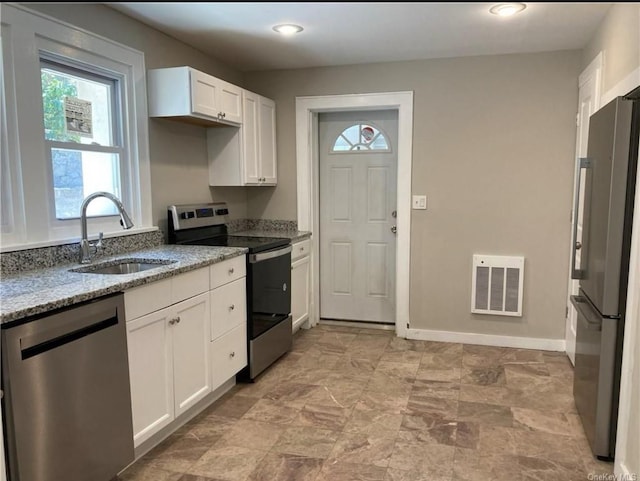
301 249
172 322
224 114
178 319
233 354
232 307
231 271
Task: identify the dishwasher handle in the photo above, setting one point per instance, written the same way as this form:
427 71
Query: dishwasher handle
59 330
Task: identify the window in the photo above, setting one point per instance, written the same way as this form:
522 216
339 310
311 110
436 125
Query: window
82 135
361 137
75 123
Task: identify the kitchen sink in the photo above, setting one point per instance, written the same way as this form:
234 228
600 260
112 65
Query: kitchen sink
123 266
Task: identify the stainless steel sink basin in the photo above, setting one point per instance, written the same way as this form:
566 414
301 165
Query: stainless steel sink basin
123 266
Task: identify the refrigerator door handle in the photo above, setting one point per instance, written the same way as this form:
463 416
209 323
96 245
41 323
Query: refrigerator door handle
583 163
591 322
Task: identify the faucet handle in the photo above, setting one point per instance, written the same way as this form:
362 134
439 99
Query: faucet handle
98 246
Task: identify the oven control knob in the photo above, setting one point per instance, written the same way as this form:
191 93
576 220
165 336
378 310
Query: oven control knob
284 287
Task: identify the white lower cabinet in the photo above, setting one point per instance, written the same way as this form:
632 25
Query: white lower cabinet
149 340
300 282
229 354
187 336
228 323
169 363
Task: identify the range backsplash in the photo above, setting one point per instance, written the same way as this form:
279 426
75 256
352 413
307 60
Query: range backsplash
240 225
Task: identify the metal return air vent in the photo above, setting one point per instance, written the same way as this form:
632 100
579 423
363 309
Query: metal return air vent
497 285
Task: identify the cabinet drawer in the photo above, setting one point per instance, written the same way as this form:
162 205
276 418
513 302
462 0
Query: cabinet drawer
227 271
228 307
301 249
189 284
148 298
229 355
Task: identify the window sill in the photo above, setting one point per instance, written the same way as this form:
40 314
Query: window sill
75 240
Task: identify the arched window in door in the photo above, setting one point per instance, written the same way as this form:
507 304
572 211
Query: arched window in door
361 137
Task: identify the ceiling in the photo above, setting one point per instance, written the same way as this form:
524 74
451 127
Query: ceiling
241 35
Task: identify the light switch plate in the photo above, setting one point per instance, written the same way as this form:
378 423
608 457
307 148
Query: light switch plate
419 202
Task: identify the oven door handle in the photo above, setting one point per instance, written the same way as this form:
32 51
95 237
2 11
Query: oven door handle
263 256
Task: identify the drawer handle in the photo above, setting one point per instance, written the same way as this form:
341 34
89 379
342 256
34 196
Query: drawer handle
233 354
232 307
231 271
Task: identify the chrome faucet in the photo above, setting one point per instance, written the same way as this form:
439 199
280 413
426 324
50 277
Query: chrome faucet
85 245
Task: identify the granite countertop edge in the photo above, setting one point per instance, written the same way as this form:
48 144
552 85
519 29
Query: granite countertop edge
39 291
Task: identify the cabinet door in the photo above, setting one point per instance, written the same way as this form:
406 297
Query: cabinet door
267 141
229 355
228 307
250 138
204 94
151 373
191 365
230 102
300 290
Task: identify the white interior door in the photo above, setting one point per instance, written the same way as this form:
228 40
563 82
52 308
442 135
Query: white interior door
588 103
358 171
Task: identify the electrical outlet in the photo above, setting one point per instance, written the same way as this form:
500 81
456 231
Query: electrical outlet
420 202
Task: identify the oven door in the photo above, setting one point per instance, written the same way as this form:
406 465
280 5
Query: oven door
269 289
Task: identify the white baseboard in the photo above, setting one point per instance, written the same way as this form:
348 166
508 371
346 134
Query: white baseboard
622 473
488 340
623 87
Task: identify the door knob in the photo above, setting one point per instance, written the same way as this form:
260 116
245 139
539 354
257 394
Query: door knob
394 229
578 245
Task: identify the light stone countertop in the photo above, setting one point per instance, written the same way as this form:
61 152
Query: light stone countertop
295 236
38 291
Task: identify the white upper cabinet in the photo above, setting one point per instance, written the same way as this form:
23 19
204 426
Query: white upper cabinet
186 94
248 156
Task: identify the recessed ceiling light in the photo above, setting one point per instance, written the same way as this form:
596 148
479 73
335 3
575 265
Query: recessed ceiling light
288 29
507 9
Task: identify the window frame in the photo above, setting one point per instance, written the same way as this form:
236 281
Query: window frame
89 72
26 37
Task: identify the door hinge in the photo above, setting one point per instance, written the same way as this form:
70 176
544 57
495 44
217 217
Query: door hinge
578 119
407 325
566 312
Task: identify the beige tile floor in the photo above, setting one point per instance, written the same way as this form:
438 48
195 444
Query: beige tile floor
358 404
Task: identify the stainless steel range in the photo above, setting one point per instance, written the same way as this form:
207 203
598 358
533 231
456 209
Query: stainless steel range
269 324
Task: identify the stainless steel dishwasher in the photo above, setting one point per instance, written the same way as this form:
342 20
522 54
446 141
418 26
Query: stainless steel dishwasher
67 401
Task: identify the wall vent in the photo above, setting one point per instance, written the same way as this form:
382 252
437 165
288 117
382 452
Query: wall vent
496 287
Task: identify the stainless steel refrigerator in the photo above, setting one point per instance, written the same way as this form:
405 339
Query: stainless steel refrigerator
609 172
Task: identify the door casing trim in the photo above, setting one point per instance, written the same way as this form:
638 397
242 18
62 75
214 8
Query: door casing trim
307 171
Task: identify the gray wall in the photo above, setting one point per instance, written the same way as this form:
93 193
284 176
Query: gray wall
618 37
179 169
493 149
